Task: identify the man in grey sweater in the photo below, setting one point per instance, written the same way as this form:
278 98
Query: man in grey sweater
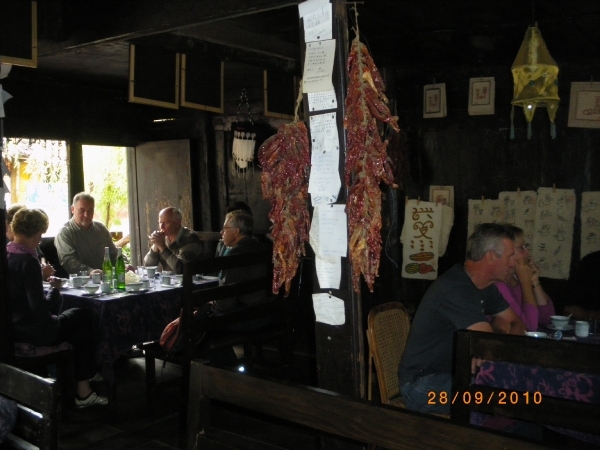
80 242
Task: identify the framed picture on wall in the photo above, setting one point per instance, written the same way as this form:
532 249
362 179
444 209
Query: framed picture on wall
202 83
442 194
154 76
482 93
584 105
18 33
280 90
434 100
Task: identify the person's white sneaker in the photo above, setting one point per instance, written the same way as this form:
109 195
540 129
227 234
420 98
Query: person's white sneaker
90 400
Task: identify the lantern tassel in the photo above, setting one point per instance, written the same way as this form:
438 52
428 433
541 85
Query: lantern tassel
553 130
528 130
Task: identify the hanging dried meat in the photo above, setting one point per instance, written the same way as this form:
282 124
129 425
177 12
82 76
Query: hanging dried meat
367 163
285 159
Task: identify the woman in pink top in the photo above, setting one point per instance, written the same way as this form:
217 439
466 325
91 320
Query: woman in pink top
522 289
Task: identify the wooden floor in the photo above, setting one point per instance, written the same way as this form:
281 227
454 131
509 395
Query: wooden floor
130 425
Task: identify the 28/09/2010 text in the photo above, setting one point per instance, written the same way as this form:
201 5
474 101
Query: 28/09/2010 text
478 397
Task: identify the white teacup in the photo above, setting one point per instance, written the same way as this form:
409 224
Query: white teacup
106 288
96 278
166 280
78 281
582 328
151 271
178 278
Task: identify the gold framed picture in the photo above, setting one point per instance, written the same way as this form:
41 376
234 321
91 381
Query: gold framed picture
153 76
584 105
18 33
202 83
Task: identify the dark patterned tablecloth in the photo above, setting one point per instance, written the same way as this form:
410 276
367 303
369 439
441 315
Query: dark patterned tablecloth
122 320
580 387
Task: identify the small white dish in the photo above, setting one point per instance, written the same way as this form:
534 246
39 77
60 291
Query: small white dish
536 334
91 288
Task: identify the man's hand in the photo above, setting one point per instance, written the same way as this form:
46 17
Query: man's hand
157 239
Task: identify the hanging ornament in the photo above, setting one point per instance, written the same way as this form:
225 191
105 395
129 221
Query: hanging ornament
244 140
535 75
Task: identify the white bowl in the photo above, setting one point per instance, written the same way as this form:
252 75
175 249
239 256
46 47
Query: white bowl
91 288
135 286
559 322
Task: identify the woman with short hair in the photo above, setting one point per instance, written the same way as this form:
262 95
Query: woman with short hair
36 317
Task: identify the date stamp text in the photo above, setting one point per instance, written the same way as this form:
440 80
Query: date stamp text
478 398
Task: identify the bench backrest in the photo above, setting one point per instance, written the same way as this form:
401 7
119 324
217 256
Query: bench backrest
38 403
192 298
330 412
546 353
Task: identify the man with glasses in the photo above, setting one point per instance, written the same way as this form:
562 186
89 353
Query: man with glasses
172 243
80 242
522 288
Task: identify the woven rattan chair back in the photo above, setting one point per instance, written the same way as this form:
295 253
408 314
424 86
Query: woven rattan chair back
387 332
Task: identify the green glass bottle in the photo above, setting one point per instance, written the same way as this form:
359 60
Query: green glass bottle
120 270
107 267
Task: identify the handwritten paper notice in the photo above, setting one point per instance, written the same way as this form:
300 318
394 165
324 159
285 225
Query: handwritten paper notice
319 101
590 222
309 6
318 66
553 237
324 182
484 211
329 309
317 24
328 234
329 272
519 210
420 239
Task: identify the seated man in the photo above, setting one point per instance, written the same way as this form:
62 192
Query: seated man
237 239
461 298
172 244
80 242
235 206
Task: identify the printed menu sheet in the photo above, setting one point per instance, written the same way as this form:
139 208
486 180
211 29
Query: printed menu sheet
553 236
590 222
318 24
329 309
319 101
519 210
421 239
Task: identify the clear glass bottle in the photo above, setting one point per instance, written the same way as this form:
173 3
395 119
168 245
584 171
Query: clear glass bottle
120 270
107 267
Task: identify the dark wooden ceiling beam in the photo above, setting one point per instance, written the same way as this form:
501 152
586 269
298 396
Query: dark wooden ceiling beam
223 52
131 20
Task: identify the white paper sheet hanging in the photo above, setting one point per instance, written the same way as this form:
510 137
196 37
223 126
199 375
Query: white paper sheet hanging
590 222
324 182
319 101
318 24
318 66
420 239
329 309
553 237
519 209
484 211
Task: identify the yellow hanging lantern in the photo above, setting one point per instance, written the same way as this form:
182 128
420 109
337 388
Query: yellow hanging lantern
535 75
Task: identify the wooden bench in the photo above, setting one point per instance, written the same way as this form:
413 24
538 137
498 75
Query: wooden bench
37 398
545 353
218 335
328 412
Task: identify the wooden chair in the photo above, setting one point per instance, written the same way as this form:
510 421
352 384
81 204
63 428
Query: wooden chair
37 359
387 332
36 425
